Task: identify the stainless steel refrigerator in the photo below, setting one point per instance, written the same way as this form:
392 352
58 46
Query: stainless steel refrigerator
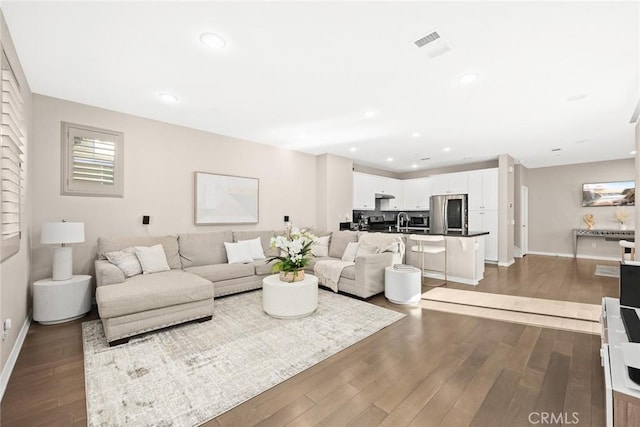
448 212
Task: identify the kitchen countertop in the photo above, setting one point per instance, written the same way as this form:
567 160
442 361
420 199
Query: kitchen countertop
426 231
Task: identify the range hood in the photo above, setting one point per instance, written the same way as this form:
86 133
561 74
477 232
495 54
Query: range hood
384 196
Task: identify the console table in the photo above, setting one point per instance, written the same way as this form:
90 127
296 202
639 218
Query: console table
606 234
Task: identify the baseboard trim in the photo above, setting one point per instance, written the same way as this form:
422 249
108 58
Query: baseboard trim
564 255
13 356
507 264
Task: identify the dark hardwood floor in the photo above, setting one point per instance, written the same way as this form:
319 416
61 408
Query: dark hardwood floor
428 369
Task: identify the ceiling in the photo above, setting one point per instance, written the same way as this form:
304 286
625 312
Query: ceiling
303 75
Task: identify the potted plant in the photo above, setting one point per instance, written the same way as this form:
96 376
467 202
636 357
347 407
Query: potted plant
295 253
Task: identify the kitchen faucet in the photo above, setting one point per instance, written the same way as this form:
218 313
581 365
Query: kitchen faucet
399 222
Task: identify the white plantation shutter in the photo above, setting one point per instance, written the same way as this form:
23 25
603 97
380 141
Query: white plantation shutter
92 161
12 161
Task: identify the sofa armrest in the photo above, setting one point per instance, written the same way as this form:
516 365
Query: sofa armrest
370 270
107 273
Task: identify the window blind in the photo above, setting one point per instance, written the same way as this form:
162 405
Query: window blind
93 160
12 161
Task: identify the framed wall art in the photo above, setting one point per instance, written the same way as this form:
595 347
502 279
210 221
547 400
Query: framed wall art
225 199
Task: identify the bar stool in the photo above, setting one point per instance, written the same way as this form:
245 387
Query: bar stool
624 245
430 245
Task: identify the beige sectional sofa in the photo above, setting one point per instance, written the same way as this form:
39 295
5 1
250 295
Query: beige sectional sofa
199 271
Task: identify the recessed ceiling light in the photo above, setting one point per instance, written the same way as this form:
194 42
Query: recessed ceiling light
389 159
577 97
353 149
446 149
369 114
213 40
414 166
415 134
467 78
168 98
633 152
302 135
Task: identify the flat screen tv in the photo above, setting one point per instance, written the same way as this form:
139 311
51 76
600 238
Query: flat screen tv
620 193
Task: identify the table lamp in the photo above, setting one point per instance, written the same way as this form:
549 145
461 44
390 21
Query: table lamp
62 233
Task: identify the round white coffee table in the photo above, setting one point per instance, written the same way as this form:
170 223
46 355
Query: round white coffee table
285 300
402 286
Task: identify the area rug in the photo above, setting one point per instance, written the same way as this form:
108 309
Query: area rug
608 271
187 375
564 315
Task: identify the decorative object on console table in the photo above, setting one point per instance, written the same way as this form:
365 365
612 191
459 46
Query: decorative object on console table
62 233
589 221
295 252
58 301
621 216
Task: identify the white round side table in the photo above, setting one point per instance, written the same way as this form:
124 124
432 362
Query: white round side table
285 300
58 301
402 286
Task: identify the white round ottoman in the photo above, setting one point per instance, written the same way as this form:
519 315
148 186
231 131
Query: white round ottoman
285 300
402 286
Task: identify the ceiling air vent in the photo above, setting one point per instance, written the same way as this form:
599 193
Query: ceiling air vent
427 39
434 44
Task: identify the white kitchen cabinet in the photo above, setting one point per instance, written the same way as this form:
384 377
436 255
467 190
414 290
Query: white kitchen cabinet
364 186
450 183
483 189
417 193
486 220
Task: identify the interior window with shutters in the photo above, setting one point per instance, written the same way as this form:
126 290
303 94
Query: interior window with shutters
92 161
12 161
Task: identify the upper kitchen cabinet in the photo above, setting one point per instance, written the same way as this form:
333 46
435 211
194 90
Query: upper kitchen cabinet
417 193
483 189
364 186
450 183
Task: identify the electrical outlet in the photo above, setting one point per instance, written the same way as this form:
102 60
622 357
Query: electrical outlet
6 325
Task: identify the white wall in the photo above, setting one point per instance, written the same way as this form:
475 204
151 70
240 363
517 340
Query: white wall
555 207
335 191
160 160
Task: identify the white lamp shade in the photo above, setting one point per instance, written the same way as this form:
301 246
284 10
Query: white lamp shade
62 232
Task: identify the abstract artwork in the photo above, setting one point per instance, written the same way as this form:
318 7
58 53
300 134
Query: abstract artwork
225 199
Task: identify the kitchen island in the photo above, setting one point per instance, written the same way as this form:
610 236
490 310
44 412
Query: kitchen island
465 255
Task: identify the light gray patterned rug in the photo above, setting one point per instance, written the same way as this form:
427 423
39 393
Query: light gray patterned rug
190 374
607 271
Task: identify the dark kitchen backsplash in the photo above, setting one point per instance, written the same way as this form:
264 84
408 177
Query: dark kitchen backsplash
390 217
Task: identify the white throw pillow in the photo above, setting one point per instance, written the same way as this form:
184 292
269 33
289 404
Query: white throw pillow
238 253
350 252
365 248
255 248
126 260
153 259
320 247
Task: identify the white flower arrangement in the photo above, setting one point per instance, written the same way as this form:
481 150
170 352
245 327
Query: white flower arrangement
295 249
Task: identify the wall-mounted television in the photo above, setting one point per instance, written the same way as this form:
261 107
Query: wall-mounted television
619 193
